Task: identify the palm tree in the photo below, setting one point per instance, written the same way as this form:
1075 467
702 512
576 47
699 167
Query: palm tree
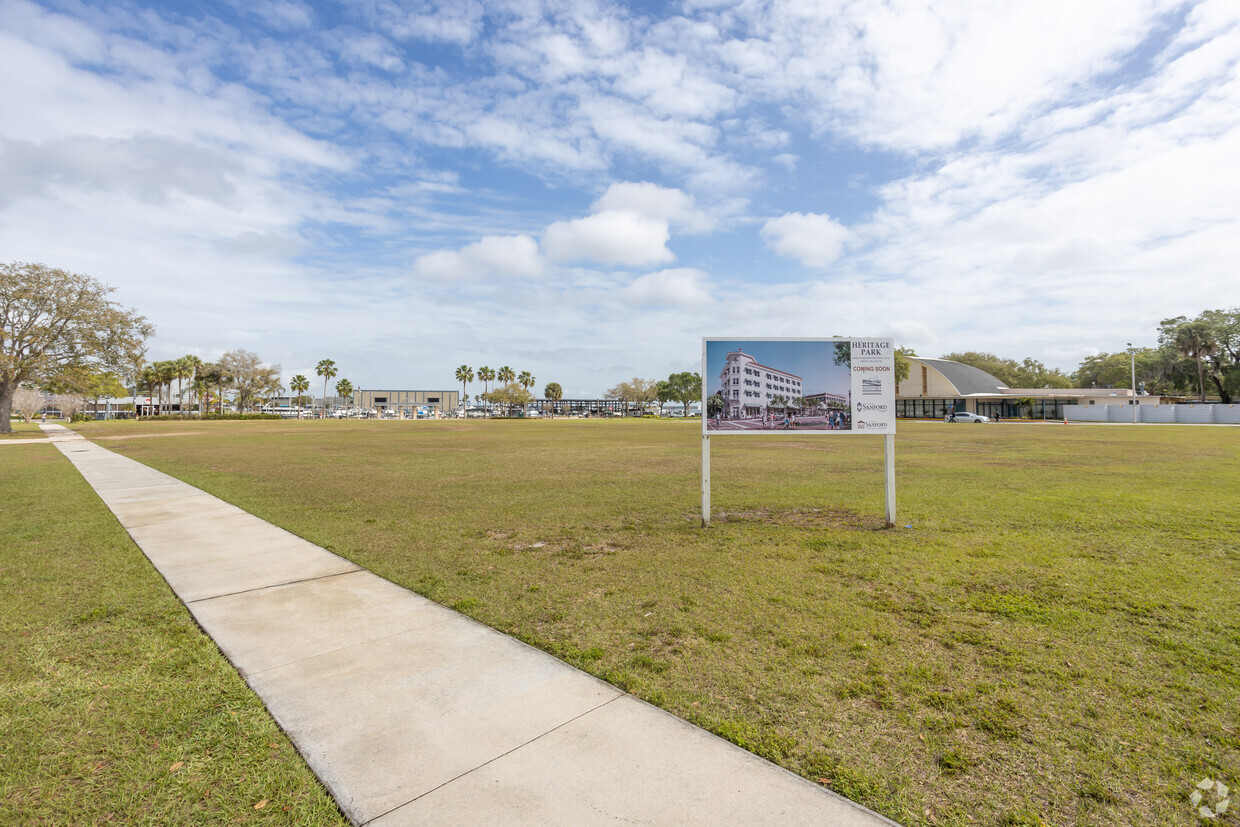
526 380
505 375
184 369
345 388
485 374
299 384
464 375
1196 341
327 369
148 379
554 392
199 385
167 371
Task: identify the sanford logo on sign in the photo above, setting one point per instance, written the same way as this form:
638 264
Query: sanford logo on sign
870 406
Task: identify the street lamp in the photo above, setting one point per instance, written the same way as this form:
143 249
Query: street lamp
1132 356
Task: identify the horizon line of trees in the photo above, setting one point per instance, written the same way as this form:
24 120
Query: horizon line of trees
1193 356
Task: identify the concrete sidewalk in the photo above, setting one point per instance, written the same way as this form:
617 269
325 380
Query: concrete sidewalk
410 713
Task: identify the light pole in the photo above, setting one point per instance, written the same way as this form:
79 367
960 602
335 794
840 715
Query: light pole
1132 356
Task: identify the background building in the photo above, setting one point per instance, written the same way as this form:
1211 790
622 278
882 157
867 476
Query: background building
406 403
936 387
749 388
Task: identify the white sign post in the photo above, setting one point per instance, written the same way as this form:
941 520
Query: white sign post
769 387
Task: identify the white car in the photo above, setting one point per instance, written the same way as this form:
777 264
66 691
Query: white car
965 416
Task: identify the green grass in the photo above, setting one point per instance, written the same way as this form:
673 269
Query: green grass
114 707
1056 637
23 430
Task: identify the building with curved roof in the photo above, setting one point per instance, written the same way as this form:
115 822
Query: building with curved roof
938 387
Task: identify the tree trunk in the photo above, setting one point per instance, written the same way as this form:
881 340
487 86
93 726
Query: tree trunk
6 406
1223 395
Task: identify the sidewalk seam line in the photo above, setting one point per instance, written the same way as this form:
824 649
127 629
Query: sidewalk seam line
490 761
273 585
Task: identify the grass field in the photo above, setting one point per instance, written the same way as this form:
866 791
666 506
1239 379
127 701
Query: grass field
1055 636
23 430
114 707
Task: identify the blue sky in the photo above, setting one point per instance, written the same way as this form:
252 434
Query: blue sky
584 190
813 361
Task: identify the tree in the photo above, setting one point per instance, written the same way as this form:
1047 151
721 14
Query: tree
101 384
327 369
843 353
636 391
52 320
1225 361
28 401
1028 373
509 395
553 391
212 375
464 375
248 376
167 371
69 404
1196 341
526 380
903 365
505 375
1219 361
344 389
485 375
685 388
299 384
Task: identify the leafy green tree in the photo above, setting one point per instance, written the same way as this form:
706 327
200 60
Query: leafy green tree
1115 369
52 320
1028 373
1196 341
553 391
714 404
685 388
464 375
843 353
248 376
505 374
508 396
1225 361
636 392
526 380
1211 343
903 365
327 369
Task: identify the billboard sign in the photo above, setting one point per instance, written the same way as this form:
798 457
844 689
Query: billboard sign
828 386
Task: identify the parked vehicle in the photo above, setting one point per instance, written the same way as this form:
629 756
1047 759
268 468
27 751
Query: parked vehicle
965 416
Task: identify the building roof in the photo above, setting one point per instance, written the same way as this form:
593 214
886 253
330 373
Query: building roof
967 379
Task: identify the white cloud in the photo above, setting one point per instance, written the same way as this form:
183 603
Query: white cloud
654 201
490 256
620 237
683 288
812 239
